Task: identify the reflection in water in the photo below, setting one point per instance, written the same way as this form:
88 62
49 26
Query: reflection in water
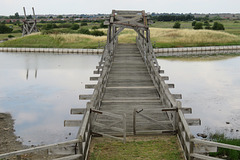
39 90
211 89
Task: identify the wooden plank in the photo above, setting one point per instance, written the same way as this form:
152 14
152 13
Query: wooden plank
90 86
161 71
39 148
97 72
200 156
215 144
201 148
107 135
193 122
78 111
96 124
177 96
171 85
186 110
94 78
107 114
72 157
132 87
85 97
72 123
165 78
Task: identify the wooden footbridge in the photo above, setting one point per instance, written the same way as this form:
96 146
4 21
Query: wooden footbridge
130 98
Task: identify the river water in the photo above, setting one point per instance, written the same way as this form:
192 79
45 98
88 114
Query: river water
39 90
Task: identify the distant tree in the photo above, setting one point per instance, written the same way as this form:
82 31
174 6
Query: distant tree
103 26
17 15
75 26
193 23
218 26
84 31
29 17
84 24
198 25
59 16
177 25
5 29
95 27
206 23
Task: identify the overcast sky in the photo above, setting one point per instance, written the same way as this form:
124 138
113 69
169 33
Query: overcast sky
10 7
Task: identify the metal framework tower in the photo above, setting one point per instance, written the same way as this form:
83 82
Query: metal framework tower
29 25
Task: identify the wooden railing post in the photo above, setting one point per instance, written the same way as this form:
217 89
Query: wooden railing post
134 121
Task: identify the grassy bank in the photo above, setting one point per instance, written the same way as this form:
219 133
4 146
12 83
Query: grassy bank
225 153
145 148
162 38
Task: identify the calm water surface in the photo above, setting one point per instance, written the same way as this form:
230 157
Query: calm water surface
211 88
39 90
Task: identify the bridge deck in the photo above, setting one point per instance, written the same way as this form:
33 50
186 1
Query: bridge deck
130 86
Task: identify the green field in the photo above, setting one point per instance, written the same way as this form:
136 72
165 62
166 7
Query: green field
162 36
141 148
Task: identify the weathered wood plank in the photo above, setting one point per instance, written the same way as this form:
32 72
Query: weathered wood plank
39 148
194 122
72 123
200 156
78 111
94 78
90 86
72 157
85 97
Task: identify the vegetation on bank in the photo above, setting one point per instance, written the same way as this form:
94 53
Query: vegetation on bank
141 148
225 153
169 38
88 35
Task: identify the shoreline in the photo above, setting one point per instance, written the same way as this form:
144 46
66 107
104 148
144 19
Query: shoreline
158 51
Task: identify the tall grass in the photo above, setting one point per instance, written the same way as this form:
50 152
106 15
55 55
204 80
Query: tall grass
162 38
187 37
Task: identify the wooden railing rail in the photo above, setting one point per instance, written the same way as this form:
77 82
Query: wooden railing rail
179 122
39 148
84 133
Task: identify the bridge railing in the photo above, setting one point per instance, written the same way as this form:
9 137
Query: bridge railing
84 133
192 147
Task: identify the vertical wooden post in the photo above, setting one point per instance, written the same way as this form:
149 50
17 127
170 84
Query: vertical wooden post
24 13
134 121
124 128
34 16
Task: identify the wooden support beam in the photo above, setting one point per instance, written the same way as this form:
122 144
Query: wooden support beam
99 67
78 110
161 71
193 122
177 96
171 85
186 110
72 157
165 78
200 156
85 97
97 72
72 123
90 86
94 78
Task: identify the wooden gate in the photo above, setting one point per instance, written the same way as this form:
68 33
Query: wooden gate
118 119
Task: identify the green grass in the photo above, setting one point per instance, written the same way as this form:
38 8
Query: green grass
55 41
141 148
222 152
163 37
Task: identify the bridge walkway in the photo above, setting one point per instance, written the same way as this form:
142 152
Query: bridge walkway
130 87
